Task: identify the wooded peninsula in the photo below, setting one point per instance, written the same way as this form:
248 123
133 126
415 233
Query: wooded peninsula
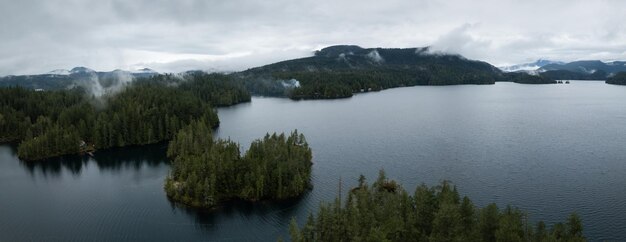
54 123
384 211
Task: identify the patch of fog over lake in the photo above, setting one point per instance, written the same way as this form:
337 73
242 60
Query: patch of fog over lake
547 149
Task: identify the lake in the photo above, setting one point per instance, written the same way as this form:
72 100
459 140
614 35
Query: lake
547 149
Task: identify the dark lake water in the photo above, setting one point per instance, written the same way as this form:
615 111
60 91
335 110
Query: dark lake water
547 149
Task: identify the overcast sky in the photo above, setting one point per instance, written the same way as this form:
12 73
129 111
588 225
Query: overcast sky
41 35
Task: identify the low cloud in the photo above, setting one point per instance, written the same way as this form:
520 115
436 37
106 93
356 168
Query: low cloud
375 56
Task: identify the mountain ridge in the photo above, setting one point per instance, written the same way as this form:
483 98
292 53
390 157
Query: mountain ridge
341 70
63 78
586 69
336 71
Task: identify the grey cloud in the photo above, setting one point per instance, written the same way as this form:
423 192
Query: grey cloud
38 36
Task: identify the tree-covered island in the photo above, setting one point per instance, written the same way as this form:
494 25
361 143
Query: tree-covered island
206 171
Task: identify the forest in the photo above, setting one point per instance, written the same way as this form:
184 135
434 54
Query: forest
340 71
384 211
618 79
332 72
149 110
206 172
342 84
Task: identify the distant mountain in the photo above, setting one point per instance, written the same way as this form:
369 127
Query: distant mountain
339 71
77 76
351 57
529 66
332 72
585 70
571 75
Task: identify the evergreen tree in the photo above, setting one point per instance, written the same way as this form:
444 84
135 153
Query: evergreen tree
206 172
385 212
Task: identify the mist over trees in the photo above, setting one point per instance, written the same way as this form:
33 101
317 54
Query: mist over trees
332 72
150 110
340 71
384 211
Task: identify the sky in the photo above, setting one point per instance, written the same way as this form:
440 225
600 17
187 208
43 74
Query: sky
37 36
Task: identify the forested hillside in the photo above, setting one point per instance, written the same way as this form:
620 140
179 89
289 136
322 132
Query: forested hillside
53 123
385 211
332 72
340 71
523 78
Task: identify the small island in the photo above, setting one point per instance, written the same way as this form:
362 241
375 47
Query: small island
206 172
384 211
617 79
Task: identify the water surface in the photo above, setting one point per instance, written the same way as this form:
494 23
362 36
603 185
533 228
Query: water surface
547 149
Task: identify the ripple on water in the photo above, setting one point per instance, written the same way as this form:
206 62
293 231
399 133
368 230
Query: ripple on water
539 148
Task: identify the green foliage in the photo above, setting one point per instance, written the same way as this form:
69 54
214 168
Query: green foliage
21 108
147 113
385 212
150 110
54 141
217 89
206 172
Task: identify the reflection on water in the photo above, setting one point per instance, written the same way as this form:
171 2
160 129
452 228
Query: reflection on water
209 219
114 160
119 190
547 149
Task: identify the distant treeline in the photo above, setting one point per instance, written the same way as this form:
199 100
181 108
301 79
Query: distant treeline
53 123
384 211
342 84
618 79
207 171
333 72
337 72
